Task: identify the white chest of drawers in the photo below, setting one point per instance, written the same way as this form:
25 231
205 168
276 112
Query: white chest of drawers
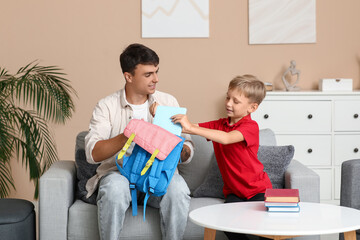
324 128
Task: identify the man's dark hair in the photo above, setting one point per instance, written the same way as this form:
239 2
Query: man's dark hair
136 54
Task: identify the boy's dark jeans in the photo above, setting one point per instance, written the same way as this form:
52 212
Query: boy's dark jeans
233 198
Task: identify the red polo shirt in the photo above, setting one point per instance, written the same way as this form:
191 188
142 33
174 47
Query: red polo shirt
242 172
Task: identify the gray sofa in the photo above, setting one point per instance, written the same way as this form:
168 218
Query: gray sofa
350 186
62 216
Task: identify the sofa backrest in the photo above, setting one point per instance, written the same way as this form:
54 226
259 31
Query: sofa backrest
195 172
267 137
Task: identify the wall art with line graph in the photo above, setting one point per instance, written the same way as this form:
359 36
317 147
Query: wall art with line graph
175 18
282 21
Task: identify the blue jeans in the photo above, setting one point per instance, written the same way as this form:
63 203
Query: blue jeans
114 199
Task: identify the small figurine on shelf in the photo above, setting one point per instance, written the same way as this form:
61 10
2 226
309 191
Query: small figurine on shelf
293 71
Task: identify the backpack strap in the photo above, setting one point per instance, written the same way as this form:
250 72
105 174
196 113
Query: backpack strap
154 175
122 153
140 158
148 194
133 199
125 147
132 186
149 162
153 179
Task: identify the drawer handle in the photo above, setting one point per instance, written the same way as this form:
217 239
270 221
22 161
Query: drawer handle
310 116
356 115
356 150
266 116
310 150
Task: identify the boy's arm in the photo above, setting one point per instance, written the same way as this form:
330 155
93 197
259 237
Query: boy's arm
211 134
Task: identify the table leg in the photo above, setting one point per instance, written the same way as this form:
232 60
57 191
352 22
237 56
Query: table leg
209 234
350 235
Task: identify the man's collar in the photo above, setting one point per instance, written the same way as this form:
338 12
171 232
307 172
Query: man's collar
124 102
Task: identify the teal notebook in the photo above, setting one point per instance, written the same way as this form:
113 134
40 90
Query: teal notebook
163 118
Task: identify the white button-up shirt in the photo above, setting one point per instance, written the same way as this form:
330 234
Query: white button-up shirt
109 119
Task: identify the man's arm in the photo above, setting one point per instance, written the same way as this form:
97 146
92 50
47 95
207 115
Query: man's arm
105 149
211 134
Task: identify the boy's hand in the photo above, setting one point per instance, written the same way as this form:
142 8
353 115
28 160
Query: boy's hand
183 120
153 108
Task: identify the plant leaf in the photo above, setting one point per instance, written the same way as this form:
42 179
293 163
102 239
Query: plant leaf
24 132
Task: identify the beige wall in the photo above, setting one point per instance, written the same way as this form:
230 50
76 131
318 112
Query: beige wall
85 38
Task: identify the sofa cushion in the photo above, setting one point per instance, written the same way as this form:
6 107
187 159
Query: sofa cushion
84 170
213 183
195 172
83 222
275 159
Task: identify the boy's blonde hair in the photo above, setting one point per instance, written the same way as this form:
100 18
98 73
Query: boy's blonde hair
250 86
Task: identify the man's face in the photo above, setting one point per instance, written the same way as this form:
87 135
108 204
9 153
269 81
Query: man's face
144 79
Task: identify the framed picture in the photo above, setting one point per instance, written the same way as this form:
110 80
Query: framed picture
282 21
175 18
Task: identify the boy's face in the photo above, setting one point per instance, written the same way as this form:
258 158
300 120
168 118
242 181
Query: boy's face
238 106
144 79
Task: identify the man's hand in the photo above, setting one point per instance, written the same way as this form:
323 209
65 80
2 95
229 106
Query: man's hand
185 153
153 108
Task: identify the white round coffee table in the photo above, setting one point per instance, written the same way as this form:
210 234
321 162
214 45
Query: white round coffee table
252 218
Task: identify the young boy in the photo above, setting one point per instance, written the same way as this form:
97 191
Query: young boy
236 142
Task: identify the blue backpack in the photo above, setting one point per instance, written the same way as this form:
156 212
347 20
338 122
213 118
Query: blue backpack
146 172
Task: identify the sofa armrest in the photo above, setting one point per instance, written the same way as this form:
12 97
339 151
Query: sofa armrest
303 178
56 195
350 184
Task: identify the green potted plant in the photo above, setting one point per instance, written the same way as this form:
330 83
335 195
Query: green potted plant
28 100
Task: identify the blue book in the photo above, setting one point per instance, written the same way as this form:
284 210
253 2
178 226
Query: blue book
284 209
163 118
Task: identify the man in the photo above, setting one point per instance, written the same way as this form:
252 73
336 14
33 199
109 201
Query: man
140 66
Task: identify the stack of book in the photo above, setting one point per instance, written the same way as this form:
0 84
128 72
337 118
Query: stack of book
282 200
